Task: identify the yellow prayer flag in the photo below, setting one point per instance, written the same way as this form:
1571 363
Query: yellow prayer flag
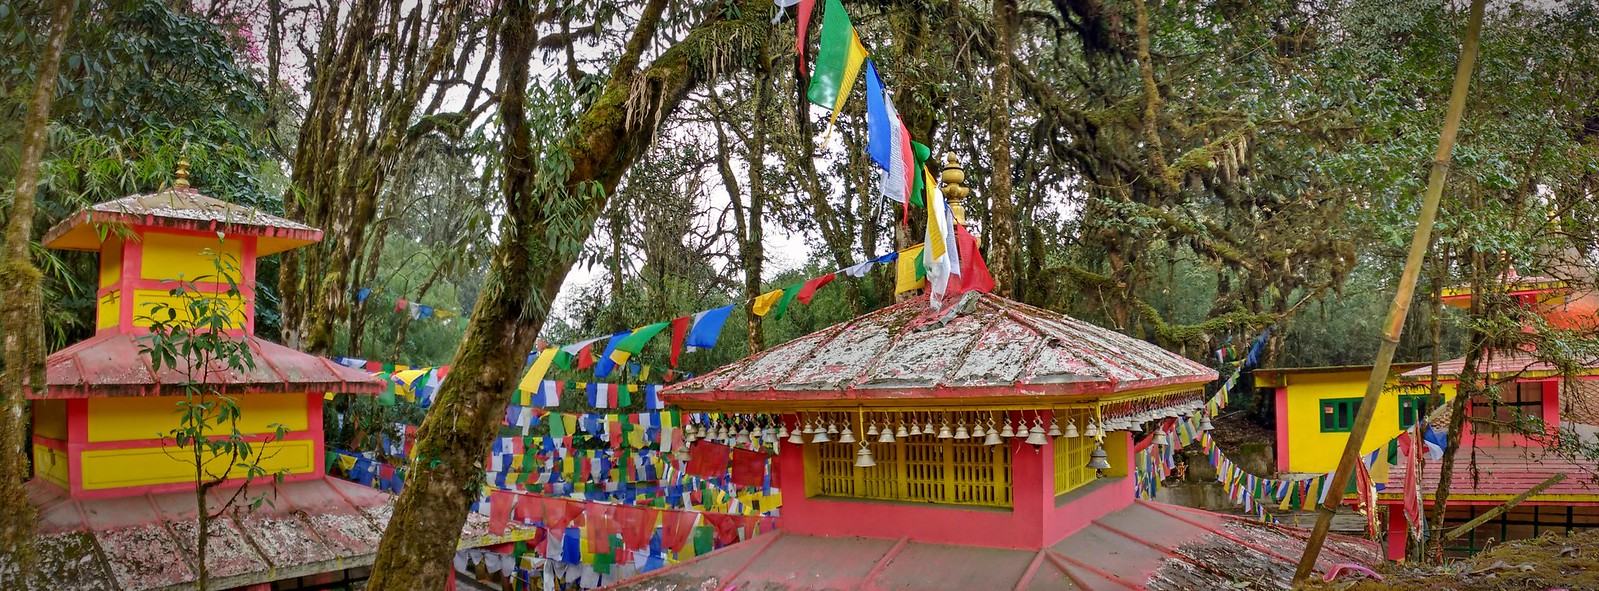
905 275
852 70
765 301
535 374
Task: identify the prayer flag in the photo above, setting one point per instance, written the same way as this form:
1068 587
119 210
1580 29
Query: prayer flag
535 373
838 60
858 270
680 326
789 293
974 270
888 141
749 467
808 291
633 343
763 303
581 351
607 363
804 16
708 327
399 305
549 394
908 273
919 156
361 294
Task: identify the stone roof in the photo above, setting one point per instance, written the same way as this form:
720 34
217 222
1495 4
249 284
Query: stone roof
146 542
1148 545
180 208
983 348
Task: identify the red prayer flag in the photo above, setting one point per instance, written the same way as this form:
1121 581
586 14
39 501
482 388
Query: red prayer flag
560 513
707 459
680 328
974 270
527 510
808 290
749 468
726 527
400 305
638 525
600 526
676 526
804 16
500 503
585 356
749 525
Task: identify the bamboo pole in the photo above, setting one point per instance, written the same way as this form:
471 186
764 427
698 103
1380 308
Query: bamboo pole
1407 287
1510 504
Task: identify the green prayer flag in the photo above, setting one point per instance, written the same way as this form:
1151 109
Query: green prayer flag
921 154
704 540
563 360
788 296
624 395
633 343
832 55
557 426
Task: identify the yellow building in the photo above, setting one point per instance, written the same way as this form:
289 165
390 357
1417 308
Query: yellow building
1316 407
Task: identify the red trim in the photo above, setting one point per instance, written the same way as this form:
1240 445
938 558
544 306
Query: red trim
150 443
313 418
55 444
132 267
247 256
1281 412
77 434
171 487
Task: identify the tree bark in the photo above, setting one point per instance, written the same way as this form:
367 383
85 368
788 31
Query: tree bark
1002 245
23 341
547 219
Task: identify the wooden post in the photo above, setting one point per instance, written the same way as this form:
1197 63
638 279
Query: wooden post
1510 504
1401 304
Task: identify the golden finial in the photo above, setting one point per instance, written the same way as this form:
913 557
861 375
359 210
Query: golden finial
955 192
182 174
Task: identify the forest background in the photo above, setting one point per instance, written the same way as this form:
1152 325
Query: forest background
1190 173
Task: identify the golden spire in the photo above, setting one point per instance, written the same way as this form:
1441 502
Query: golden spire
955 192
182 174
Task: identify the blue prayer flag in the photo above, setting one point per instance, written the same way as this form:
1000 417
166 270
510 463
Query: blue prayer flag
879 129
708 328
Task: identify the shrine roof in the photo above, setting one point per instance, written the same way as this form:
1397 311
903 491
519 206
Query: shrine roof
146 542
111 364
1501 362
180 208
1144 546
1502 473
982 348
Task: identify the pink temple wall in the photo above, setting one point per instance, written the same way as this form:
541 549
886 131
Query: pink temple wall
1034 521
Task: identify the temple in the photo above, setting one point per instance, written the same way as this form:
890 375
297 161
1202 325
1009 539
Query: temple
1315 409
1498 462
116 498
985 445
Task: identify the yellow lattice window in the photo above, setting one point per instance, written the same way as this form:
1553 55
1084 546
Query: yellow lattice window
921 469
1072 453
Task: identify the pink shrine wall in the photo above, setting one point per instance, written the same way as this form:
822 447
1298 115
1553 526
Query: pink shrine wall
1033 522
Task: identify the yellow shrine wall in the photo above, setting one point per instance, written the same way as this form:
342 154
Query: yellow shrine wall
139 423
1309 449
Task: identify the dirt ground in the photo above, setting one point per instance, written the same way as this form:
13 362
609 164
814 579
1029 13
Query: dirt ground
1551 562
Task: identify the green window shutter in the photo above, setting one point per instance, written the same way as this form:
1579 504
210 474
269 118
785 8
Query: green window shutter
1338 414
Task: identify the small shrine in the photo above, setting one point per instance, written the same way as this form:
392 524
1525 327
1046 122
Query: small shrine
116 501
985 445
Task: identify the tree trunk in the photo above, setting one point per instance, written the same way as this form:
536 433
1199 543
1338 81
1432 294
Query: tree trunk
23 346
1469 384
1002 245
546 222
